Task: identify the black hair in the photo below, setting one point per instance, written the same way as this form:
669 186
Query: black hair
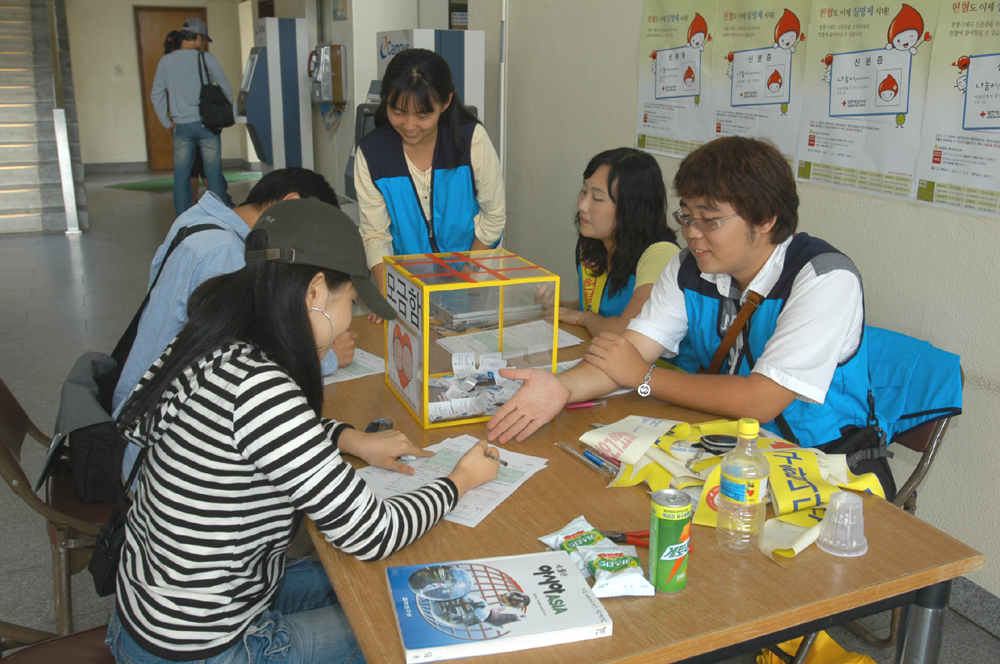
172 42
274 186
262 304
635 185
419 77
188 35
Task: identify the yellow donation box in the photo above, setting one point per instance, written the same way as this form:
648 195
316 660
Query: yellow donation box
461 318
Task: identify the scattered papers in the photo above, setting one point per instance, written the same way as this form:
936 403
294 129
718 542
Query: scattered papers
627 440
518 340
663 454
476 504
363 364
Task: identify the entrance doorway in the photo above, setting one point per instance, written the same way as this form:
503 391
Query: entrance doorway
152 25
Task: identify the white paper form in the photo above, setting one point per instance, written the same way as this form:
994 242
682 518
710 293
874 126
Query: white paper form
363 364
518 340
476 504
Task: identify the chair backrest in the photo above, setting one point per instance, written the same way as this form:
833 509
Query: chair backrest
14 426
917 390
913 382
14 429
364 121
86 647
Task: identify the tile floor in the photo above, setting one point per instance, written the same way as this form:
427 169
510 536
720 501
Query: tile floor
61 296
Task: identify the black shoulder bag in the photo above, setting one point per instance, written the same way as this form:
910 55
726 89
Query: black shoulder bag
107 556
214 107
84 423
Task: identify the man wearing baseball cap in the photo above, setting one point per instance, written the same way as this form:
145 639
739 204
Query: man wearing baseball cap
175 95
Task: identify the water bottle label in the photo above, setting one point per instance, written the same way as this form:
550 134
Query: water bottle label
743 491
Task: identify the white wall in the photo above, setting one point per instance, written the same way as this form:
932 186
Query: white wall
357 33
927 272
432 14
246 13
102 37
486 15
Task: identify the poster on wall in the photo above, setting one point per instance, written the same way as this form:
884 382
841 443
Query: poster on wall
959 162
865 86
763 50
675 77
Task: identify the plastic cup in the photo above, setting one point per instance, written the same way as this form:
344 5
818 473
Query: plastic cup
842 532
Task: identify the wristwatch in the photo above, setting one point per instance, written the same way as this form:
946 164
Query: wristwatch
644 390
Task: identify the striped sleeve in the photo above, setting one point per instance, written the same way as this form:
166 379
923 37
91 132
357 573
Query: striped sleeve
275 429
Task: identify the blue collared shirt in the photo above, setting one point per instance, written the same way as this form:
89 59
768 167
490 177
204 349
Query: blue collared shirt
197 259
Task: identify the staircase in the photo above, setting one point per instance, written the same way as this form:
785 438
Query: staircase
31 198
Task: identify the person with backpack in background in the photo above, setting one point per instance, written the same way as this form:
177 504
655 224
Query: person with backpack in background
175 95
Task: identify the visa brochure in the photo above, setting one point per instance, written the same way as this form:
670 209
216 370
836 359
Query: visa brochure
493 605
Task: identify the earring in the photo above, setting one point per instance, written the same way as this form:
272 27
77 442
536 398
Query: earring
331 326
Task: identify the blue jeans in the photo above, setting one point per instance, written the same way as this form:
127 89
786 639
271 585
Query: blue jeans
187 137
305 624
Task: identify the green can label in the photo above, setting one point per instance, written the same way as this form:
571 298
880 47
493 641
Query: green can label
669 539
584 538
613 562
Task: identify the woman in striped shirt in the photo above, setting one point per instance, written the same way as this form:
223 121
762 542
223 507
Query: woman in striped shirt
234 447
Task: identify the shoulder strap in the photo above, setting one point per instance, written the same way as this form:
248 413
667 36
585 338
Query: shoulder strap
124 346
201 63
753 301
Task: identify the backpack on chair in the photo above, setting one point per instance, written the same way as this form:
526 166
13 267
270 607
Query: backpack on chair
84 423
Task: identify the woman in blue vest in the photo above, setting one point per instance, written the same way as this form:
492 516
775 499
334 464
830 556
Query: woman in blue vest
428 178
624 241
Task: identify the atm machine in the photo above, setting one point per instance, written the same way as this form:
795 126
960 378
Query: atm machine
274 98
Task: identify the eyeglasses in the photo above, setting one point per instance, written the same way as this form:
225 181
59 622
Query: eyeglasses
703 225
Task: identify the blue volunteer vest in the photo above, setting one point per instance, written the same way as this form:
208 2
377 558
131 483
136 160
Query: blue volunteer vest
453 192
709 317
611 305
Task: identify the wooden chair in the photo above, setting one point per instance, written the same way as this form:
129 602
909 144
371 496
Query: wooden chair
72 524
37 647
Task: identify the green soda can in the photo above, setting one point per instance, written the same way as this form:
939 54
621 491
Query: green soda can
669 536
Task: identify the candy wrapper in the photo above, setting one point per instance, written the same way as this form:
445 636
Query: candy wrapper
616 569
577 533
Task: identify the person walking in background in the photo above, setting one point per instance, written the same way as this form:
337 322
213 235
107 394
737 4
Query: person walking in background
175 95
171 44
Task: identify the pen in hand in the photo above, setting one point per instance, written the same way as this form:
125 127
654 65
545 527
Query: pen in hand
495 458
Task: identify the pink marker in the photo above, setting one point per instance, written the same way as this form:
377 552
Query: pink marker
586 404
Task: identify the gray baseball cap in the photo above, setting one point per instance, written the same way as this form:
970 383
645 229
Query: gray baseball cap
197 26
307 231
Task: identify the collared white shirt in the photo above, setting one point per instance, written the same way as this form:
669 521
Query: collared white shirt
819 327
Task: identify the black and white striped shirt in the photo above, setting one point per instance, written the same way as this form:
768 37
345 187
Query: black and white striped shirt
235 451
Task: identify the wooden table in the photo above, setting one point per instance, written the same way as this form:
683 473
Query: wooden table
732 604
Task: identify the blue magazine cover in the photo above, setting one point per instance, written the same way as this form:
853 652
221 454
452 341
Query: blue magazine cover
493 605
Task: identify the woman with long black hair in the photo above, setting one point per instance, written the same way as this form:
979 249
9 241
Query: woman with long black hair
428 178
624 241
235 449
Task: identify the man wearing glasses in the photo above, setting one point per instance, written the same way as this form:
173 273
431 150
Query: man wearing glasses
799 365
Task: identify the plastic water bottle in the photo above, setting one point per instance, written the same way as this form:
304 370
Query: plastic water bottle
742 491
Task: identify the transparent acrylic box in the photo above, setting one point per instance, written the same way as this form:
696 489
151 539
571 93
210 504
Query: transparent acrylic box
490 303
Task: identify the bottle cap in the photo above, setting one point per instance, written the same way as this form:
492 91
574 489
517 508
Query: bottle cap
747 428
